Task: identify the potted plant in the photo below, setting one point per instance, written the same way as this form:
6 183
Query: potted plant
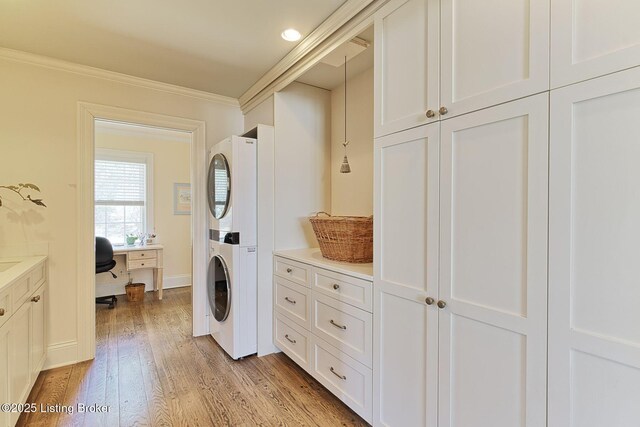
131 239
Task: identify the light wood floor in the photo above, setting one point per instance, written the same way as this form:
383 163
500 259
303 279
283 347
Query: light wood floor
151 371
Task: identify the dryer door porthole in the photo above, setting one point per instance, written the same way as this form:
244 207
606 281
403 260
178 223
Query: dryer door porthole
219 288
219 186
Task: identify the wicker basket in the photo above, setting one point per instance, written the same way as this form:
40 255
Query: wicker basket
135 292
344 238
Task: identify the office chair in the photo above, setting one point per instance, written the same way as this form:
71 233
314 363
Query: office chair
104 264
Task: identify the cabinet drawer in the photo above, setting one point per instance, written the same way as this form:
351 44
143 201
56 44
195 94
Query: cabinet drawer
142 254
142 263
343 326
294 301
293 340
295 271
349 380
5 306
353 291
20 291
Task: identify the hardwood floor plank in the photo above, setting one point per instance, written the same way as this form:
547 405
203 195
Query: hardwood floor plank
151 371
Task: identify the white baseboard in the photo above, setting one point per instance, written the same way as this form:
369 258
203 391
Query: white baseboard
117 288
61 354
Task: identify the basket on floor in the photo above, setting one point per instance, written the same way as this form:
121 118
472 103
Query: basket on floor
344 238
135 292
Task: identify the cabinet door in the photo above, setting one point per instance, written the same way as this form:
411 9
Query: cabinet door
406 247
493 267
594 339
19 354
493 51
38 331
4 372
591 38
406 65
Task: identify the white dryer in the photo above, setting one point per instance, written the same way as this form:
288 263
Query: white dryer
232 190
232 293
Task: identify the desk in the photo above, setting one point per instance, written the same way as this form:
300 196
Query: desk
140 257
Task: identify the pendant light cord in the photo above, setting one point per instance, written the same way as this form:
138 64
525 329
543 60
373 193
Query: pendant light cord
345 104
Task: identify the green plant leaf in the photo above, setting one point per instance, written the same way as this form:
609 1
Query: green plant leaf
38 202
13 187
31 186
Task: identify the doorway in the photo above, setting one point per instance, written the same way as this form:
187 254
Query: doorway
92 117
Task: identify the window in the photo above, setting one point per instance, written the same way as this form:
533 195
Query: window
122 194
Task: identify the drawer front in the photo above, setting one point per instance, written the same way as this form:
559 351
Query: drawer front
38 275
5 306
297 272
356 292
349 380
343 326
294 301
292 340
142 263
20 291
142 254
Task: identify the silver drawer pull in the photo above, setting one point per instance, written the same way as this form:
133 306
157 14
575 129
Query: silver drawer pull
336 286
289 339
289 270
1 311
333 371
289 300
343 327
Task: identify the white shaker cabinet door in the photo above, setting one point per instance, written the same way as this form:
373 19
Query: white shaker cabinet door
406 245
493 51
4 372
406 65
493 266
591 38
594 333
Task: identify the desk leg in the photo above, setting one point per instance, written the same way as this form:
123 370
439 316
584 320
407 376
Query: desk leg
157 281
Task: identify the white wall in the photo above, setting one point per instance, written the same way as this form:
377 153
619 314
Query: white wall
302 118
171 164
262 114
38 137
352 194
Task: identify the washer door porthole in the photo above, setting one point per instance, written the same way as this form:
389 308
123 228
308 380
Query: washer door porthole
219 186
219 288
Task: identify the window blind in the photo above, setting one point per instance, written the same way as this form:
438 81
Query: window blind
120 183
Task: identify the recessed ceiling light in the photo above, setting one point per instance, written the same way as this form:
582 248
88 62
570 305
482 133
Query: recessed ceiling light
291 35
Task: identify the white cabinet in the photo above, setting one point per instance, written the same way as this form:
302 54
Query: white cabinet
437 59
4 373
323 322
594 339
591 38
38 331
19 354
461 279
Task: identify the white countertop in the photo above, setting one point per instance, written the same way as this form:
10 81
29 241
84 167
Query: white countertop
314 257
12 274
126 248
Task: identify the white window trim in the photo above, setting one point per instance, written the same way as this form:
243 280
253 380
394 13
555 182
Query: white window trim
128 156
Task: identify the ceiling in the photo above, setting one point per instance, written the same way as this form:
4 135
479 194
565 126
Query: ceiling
216 46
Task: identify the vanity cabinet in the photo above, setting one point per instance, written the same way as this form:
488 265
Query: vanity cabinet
437 59
460 307
23 337
323 322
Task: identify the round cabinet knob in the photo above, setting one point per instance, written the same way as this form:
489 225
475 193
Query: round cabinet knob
1 311
430 113
442 304
336 286
289 270
443 111
36 298
429 300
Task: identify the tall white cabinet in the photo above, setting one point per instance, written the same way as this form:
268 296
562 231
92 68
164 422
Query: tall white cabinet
594 333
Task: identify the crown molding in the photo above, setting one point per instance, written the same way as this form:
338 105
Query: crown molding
343 15
336 30
60 65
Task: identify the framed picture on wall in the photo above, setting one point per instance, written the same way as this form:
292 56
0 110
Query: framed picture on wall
181 198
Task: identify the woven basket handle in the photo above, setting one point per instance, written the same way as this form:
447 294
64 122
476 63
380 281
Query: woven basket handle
322 212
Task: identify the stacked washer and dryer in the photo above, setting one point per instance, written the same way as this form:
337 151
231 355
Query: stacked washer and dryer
232 271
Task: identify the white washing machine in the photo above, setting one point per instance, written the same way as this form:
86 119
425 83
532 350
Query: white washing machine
232 190
232 292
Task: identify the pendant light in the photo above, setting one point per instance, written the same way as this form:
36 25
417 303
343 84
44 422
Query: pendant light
345 168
